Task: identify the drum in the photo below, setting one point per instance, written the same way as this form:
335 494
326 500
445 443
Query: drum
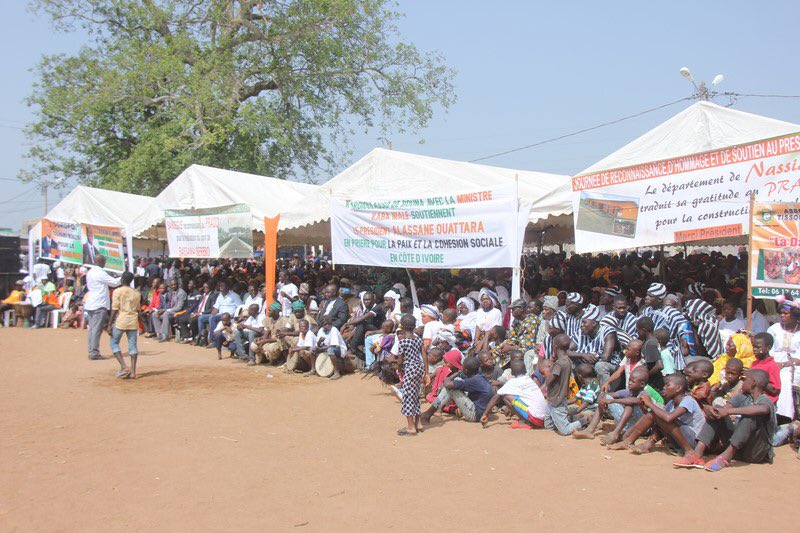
350 364
324 365
295 363
23 310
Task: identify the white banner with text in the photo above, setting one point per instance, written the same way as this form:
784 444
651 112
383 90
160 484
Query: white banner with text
481 229
696 197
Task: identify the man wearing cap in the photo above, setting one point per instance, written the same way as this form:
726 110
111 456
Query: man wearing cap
270 346
246 332
663 316
607 300
572 315
15 296
595 343
289 337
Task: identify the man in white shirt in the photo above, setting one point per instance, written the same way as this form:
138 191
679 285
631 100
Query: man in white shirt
245 333
227 302
97 303
329 340
41 270
287 293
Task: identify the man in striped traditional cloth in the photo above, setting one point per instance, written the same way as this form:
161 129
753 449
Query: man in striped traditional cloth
572 316
664 316
623 323
596 342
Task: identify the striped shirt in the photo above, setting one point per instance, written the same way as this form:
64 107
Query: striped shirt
594 345
573 323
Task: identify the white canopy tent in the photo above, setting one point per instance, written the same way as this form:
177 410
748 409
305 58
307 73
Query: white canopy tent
99 207
389 173
200 187
701 127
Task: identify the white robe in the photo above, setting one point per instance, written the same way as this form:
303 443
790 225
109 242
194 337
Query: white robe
785 340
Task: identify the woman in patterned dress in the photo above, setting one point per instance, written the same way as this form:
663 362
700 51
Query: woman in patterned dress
415 371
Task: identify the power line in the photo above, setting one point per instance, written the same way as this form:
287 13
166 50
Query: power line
23 193
581 131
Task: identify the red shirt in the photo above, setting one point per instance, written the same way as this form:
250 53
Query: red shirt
769 366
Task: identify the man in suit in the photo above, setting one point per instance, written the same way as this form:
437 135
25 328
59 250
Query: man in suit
90 251
172 302
187 321
203 313
333 307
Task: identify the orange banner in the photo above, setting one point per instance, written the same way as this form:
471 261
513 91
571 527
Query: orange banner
270 255
714 232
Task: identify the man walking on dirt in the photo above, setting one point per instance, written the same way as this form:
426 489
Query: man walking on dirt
97 303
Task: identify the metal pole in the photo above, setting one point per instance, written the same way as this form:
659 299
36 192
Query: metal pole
749 261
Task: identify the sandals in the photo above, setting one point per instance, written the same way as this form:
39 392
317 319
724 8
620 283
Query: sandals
404 432
517 425
689 461
715 465
123 373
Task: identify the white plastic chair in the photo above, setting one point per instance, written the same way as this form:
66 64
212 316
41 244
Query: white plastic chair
9 317
63 302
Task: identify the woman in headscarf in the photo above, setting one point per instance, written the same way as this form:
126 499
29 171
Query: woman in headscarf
704 321
737 346
786 352
309 301
391 305
489 314
467 317
452 365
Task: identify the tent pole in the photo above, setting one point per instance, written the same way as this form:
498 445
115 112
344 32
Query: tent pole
129 243
749 261
515 271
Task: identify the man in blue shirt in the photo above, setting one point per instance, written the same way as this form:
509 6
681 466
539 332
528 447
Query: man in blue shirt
470 391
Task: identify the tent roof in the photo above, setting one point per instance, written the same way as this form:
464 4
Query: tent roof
200 187
384 173
699 128
100 207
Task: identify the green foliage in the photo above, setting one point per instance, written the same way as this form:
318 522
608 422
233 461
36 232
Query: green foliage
260 86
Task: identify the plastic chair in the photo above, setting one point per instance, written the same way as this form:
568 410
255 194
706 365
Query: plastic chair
9 317
63 302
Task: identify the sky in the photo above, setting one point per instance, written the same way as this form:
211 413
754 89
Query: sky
526 72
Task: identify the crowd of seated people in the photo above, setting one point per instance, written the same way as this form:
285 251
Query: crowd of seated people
636 350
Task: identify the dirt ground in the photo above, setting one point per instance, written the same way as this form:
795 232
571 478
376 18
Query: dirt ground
206 445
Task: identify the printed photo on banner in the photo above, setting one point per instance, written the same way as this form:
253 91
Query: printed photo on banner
61 241
690 198
775 253
465 229
223 232
103 240
609 214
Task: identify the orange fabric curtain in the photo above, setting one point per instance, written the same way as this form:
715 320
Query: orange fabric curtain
270 255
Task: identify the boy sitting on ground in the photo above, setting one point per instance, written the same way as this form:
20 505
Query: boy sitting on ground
522 396
588 395
623 406
681 419
697 374
729 384
471 392
632 359
748 439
